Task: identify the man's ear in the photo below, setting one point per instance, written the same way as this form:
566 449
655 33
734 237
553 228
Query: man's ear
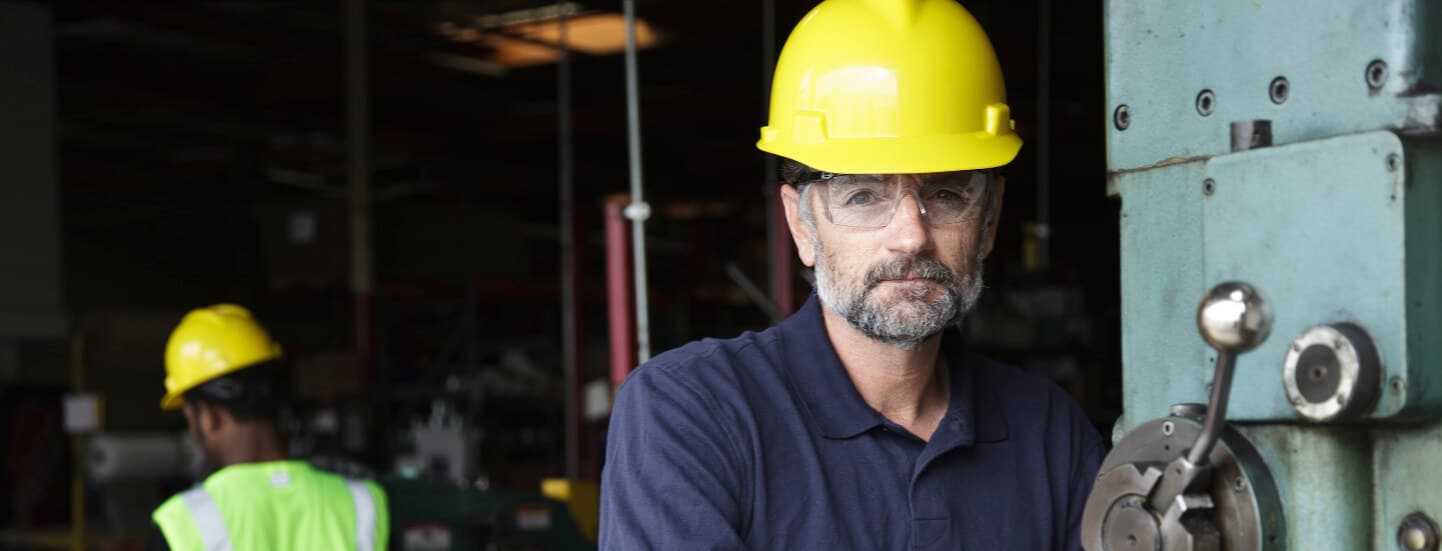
800 234
999 191
209 418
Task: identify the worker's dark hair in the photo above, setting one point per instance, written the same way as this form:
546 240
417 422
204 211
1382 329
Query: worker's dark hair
255 393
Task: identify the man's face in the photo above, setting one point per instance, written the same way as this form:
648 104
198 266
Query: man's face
902 283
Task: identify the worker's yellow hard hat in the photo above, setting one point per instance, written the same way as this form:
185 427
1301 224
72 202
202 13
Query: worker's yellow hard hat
889 87
210 342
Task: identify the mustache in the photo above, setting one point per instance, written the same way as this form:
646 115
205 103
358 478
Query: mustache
910 267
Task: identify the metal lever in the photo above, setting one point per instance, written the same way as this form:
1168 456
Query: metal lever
1233 318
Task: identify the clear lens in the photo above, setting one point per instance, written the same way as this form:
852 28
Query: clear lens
870 201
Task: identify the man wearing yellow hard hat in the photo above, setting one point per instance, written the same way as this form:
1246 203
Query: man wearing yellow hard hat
860 422
226 374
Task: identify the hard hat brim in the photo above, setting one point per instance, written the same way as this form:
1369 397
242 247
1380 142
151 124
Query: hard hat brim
175 398
172 401
915 155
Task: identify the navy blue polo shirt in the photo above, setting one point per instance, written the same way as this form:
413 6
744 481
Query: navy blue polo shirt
762 442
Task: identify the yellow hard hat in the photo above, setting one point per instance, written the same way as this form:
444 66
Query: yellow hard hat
889 87
210 342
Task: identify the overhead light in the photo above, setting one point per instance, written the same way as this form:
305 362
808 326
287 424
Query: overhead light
533 37
596 34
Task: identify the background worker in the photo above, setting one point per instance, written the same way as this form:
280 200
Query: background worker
229 378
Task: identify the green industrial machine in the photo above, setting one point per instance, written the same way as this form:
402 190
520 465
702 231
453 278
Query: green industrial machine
1280 175
432 516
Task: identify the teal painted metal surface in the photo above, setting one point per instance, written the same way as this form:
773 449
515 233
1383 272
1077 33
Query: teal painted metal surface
1324 475
1423 188
1164 362
1330 230
1318 227
1162 55
1341 220
1404 478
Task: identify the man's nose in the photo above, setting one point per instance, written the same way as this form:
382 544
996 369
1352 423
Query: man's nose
909 231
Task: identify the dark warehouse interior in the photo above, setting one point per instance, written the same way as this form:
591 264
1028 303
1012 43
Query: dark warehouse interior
202 156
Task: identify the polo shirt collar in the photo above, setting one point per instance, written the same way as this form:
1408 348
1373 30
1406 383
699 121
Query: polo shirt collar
821 382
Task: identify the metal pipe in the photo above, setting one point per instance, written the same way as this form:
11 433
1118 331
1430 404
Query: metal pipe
358 170
638 211
564 146
78 444
1042 228
618 303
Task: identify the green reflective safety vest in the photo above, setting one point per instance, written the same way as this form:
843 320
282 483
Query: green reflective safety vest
275 506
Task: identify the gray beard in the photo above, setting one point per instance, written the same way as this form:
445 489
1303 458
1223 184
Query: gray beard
908 322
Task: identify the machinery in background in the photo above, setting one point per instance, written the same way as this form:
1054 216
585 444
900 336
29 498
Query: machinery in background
1286 150
442 494
433 516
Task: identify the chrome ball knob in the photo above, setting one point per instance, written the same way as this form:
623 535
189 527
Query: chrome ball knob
1234 318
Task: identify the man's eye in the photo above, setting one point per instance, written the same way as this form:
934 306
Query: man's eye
947 195
860 198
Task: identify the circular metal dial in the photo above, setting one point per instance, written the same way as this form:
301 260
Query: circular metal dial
1332 372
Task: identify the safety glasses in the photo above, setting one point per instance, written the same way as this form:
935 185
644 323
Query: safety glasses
871 200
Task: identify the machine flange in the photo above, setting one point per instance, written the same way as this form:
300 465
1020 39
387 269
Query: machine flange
1244 503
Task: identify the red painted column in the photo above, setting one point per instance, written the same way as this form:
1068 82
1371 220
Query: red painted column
619 306
783 259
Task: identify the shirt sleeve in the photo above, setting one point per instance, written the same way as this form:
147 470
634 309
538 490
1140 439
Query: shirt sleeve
674 475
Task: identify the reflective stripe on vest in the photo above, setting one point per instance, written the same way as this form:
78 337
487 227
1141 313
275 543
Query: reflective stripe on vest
208 520
365 515
210 523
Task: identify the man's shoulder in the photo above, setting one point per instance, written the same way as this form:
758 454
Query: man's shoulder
172 505
713 361
1027 397
1011 382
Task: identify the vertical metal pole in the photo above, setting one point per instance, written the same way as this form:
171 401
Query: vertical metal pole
78 445
564 145
778 237
618 303
1043 136
358 171
638 211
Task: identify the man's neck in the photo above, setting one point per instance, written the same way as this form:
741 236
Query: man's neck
251 443
906 386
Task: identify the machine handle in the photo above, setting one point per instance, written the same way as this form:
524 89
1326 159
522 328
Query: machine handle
1233 318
